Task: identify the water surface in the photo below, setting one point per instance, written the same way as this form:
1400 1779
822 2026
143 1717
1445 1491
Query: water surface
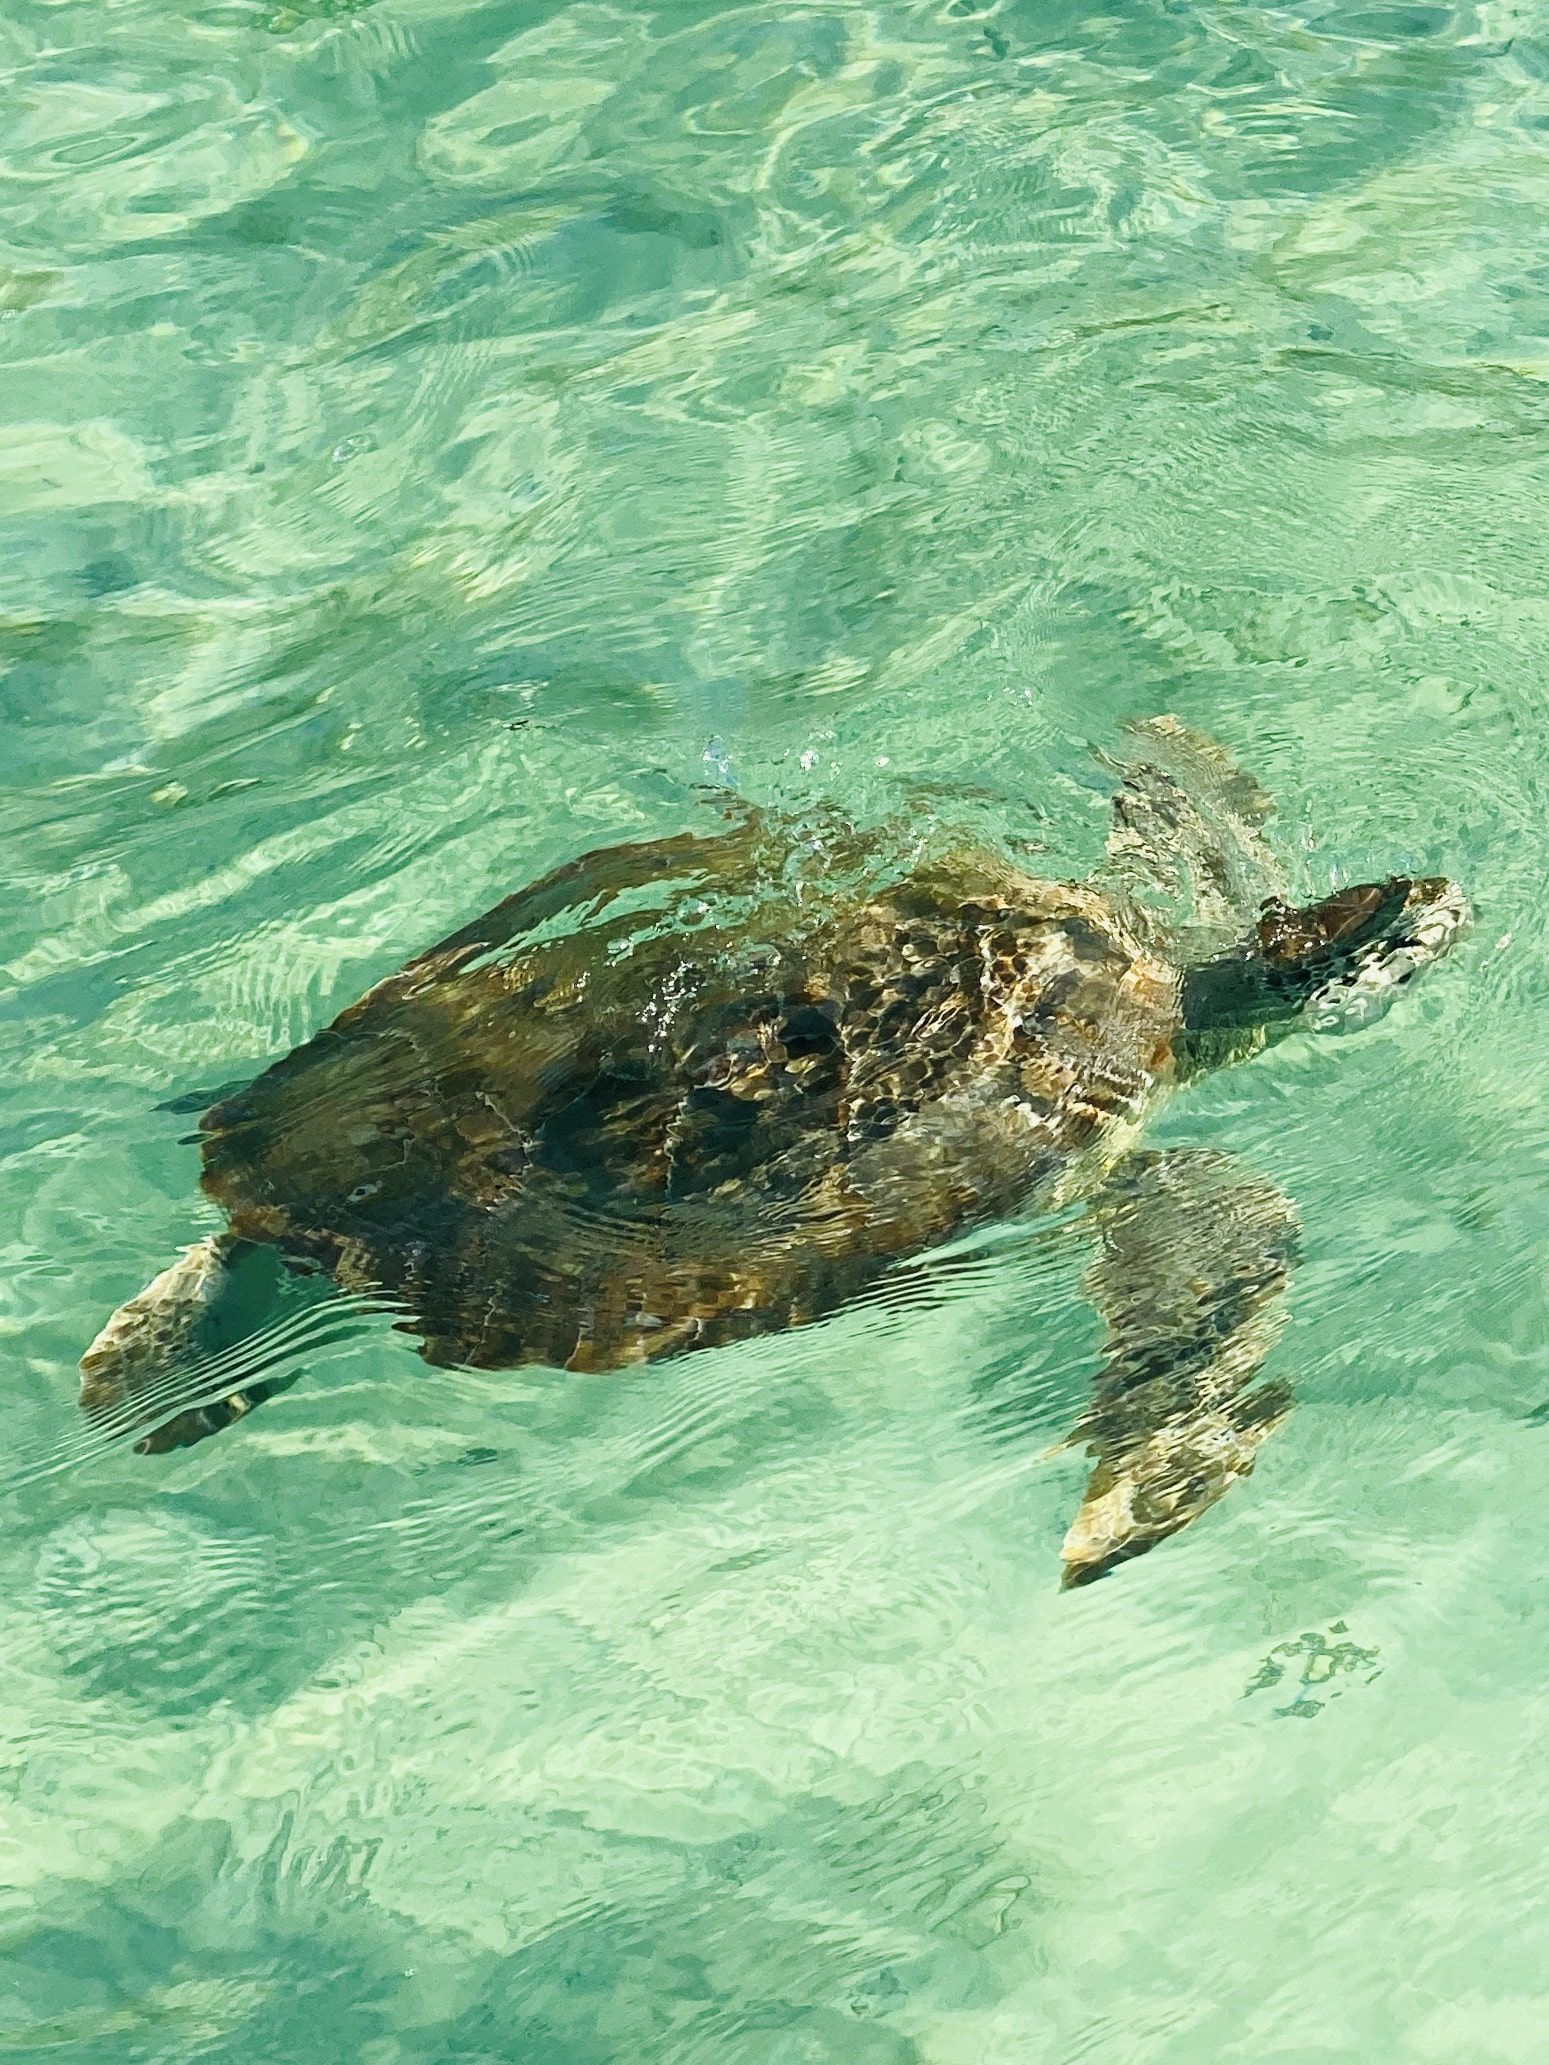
426 433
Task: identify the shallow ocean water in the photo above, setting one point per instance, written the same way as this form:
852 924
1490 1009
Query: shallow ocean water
434 440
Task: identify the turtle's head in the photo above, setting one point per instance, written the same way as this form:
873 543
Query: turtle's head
1344 960
1332 966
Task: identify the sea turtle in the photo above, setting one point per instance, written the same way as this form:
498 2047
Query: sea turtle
679 1093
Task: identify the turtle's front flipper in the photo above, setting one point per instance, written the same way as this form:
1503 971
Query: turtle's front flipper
1185 844
1196 1252
151 1351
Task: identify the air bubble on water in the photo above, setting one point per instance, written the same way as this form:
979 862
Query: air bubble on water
719 761
351 448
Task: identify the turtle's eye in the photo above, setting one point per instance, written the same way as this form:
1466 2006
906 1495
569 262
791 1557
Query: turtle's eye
1434 916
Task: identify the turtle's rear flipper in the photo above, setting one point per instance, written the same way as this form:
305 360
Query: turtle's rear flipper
163 1345
1196 1253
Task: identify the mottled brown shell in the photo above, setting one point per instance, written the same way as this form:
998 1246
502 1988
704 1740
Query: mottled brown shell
653 1103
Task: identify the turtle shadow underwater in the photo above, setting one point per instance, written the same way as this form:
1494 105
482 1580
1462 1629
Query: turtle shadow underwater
680 1093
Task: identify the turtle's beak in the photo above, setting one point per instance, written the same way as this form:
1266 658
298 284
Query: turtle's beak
1430 918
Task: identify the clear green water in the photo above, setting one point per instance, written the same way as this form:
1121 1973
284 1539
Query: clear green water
423 429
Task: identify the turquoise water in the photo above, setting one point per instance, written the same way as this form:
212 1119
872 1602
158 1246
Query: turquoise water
427 433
